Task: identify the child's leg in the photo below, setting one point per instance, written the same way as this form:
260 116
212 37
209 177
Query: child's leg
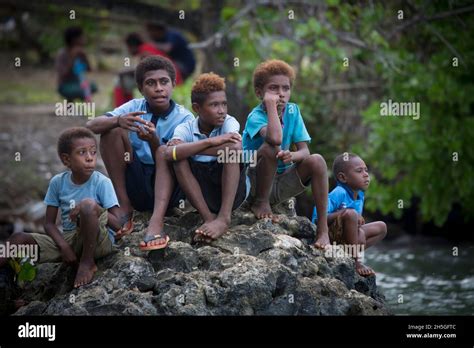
266 168
164 186
18 238
314 167
374 232
192 190
230 182
89 213
114 145
355 237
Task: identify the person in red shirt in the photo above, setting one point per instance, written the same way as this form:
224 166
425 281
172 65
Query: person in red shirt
137 47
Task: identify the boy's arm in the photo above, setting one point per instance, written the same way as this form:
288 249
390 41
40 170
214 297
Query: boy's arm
184 150
272 133
113 218
52 230
102 124
302 151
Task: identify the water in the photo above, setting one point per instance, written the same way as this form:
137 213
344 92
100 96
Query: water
425 272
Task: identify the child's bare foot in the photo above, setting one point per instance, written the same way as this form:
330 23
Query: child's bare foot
200 236
214 229
85 273
263 210
363 270
322 237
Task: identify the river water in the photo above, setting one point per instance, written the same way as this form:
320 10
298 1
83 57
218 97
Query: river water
421 276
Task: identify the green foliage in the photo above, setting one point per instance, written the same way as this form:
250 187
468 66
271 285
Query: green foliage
417 158
408 158
25 271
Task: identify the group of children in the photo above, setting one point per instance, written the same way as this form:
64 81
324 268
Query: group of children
157 154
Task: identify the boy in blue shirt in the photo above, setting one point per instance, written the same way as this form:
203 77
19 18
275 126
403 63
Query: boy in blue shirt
130 137
213 183
88 204
346 203
273 128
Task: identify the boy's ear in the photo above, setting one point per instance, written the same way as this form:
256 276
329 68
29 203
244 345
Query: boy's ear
65 159
258 93
196 108
341 177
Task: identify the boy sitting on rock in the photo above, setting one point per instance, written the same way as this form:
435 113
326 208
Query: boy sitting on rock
88 204
130 138
214 185
272 128
346 203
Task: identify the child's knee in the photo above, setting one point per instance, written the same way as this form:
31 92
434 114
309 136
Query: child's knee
382 227
160 152
21 238
89 206
349 215
317 162
268 151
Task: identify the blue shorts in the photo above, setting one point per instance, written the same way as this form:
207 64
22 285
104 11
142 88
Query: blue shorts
140 184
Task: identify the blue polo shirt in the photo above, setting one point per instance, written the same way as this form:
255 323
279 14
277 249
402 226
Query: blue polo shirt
294 130
342 197
189 132
165 125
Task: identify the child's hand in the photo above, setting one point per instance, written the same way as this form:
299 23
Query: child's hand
225 138
285 156
68 255
147 132
361 220
131 121
271 100
75 212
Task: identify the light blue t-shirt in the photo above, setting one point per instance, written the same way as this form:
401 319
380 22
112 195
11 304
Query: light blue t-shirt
189 132
64 194
293 128
165 125
342 197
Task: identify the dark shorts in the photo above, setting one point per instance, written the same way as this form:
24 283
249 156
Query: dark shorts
209 177
140 183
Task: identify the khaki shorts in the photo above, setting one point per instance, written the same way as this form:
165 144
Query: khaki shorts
49 251
285 185
336 230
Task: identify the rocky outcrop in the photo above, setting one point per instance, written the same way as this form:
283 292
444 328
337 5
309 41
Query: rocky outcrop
257 268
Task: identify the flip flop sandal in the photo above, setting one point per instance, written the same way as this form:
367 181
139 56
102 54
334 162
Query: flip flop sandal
148 239
127 227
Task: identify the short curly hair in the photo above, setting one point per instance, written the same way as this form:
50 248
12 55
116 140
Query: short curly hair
269 68
67 137
150 63
341 163
206 84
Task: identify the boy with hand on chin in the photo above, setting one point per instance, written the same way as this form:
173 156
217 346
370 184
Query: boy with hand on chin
88 204
272 128
214 188
130 138
346 203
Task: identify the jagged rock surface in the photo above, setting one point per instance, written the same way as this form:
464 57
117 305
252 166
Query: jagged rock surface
257 268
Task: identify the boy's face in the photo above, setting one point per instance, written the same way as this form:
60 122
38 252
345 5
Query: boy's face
213 110
157 89
83 157
356 175
278 85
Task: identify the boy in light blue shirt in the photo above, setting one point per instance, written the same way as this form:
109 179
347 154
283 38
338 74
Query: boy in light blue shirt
206 158
285 167
346 204
88 207
130 139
